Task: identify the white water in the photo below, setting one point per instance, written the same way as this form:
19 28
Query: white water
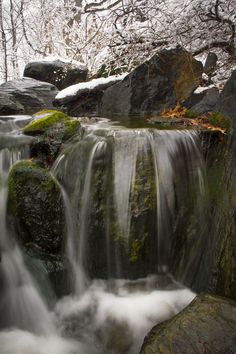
102 321
26 308
100 316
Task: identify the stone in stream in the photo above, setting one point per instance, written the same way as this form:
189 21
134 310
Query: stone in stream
35 203
207 325
51 129
36 216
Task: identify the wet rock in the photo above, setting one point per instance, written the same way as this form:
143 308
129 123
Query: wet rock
205 259
26 96
36 205
51 129
58 72
207 325
168 77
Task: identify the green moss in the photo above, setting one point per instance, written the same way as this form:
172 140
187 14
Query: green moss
41 125
35 202
15 181
218 120
135 249
26 171
191 114
53 128
71 128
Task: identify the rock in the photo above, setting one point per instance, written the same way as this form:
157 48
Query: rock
26 96
205 258
169 76
227 102
36 204
85 98
52 128
207 325
204 101
59 72
210 64
8 105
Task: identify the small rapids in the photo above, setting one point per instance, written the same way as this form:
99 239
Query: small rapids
126 193
109 318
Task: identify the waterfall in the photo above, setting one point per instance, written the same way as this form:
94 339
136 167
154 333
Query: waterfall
20 305
108 178
127 194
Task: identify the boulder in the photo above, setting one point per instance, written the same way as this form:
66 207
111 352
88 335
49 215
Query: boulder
36 203
8 105
26 96
51 129
36 216
203 101
168 77
207 325
85 98
59 72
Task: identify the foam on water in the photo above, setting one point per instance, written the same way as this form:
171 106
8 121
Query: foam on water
116 320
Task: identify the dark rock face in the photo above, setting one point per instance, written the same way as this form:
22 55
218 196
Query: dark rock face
207 325
168 77
203 102
208 260
36 216
227 101
26 96
59 73
36 203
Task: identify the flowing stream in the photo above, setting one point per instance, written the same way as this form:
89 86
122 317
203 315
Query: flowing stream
126 193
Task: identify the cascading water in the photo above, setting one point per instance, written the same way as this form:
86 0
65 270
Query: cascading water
25 320
21 304
129 185
126 194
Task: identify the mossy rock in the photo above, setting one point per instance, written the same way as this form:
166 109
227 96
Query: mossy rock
52 128
48 119
207 325
35 205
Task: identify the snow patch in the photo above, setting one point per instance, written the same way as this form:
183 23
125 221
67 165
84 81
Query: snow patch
53 59
201 89
74 90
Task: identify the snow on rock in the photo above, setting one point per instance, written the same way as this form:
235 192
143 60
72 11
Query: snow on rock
201 89
73 91
53 59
